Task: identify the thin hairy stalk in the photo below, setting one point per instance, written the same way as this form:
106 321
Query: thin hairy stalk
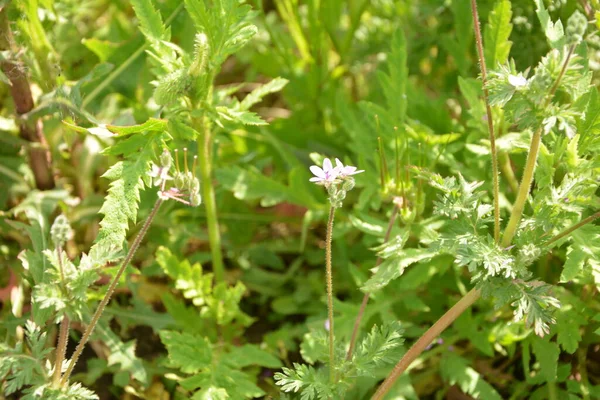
578 225
61 349
109 292
210 204
365 299
329 278
114 74
527 179
490 120
40 159
428 337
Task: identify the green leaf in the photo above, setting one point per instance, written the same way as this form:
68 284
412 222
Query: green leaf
546 353
392 268
312 383
496 34
238 384
151 24
211 393
188 352
573 264
239 117
152 125
554 31
128 179
188 278
257 94
123 354
589 127
456 371
251 354
569 323
394 82
181 130
250 184
382 346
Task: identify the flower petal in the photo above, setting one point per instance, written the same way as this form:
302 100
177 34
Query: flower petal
339 164
315 179
327 166
317 171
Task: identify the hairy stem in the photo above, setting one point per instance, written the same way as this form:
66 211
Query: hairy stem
578 225
109 292
210 204
61 349
527 179
365 299
40 159
490 119
329 278
428 337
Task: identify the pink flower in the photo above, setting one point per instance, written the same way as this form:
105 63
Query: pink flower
326 175
347 170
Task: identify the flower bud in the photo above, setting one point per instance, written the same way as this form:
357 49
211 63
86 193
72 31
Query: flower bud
171 87
180 180
165 160
348 184
576 27
195 199
201 52
61 231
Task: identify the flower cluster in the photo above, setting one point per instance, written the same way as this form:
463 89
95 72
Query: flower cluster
185 182
337 180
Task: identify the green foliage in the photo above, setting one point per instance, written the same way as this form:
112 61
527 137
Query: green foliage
257 91
497 33
128 177
381 347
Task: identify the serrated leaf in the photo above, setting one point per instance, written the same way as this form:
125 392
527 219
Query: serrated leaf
257 94
392 268
496 34
251 354
128 179
546 353
240 117
553 30
190 279
456 371
573 264
380 347
394 82
151 24
151 125
188 352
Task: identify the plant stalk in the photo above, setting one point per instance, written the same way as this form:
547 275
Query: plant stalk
527 179
208 193
569 230
428 337
365 299
490 120
40 158
329 278
109 292
61 349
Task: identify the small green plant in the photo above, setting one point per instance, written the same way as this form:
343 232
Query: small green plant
464 258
